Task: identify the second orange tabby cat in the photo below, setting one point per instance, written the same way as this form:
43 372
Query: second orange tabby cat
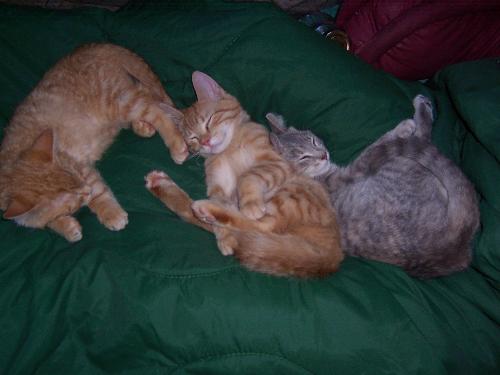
271 218
64 126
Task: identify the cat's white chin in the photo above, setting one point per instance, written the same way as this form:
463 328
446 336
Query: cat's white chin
325 166
319 169
220 141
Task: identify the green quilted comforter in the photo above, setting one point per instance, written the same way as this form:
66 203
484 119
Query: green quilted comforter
158 298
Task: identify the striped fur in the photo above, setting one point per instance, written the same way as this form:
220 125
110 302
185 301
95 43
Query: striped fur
271 218
400 201
64 126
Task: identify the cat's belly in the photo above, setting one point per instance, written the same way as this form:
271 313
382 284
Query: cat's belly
87 139
225 178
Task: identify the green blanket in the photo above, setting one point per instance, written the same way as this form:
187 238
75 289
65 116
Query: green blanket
158 298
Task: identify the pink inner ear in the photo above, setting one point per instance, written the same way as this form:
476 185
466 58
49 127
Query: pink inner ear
16 208
205 87
45 143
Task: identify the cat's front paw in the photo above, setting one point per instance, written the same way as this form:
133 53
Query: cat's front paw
179 152
405 128
253 210
74 232
201 209
226 242
114 218
143 128
68 227
156 181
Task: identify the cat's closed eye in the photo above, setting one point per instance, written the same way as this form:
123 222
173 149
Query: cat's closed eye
208 123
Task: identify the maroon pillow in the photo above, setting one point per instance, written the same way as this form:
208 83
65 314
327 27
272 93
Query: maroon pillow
413 39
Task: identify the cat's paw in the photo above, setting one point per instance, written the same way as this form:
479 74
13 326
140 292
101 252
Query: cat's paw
205 210
74 235
423 101
201 209
179 152
114 218
68 227
226 242
73 230
253 210
157 181
143 128
225 248
405 128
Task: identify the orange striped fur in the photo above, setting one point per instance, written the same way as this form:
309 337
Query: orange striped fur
271 218
64 126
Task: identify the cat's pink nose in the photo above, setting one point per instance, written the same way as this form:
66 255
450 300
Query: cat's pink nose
205 142
324 156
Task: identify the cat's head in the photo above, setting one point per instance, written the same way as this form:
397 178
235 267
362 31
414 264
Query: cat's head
41 189
209 124
304 150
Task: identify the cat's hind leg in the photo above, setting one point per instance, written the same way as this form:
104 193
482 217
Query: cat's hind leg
420 125
172 196
178 201
216 214
404 129
68 227
228 222
376 154
224 222
423 116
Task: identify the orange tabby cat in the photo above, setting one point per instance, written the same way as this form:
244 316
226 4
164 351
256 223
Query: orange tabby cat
64 126
270 217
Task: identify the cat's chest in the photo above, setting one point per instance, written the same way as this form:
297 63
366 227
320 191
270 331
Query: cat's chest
224 177
226 172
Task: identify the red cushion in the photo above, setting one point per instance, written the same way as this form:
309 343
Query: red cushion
413 39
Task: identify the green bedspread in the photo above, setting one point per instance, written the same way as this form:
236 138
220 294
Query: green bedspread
158 298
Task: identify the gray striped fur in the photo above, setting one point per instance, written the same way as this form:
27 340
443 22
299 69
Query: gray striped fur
400 201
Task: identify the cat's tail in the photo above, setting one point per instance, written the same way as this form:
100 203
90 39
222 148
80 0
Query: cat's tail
446 261
288 254
305 251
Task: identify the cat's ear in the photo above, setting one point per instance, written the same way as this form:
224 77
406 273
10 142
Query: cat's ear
206 88
44 145
275 141
175 115
16 208
276 122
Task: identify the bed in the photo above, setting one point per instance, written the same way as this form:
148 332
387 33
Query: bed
158 298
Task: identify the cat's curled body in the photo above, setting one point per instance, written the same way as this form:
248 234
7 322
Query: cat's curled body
400 201
271 218
64 126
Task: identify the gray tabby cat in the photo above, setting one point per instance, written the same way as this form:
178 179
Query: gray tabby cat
400 202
